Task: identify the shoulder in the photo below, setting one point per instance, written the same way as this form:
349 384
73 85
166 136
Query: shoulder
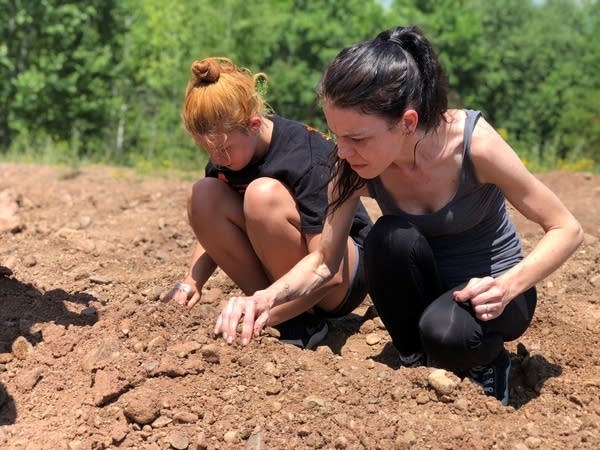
493 158
297 137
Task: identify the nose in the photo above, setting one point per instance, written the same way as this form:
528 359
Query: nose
220 158
344 150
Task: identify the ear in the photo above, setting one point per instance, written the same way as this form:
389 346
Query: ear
409 121
254 124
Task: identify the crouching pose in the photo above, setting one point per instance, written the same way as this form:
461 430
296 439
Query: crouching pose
444 264
260 207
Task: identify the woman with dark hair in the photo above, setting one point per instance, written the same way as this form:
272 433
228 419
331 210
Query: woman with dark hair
444 264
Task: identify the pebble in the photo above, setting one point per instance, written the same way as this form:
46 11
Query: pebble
99 280
89 311
162 421
210 353
21 348
373 339
441 382
178 440
271 369
185 417
254 442
231 436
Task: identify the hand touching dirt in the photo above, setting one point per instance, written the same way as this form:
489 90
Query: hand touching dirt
255 309
186 294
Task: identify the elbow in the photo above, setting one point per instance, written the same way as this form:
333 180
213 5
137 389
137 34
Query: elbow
577 231
336 279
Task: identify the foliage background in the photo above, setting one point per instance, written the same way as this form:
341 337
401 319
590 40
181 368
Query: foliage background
103 80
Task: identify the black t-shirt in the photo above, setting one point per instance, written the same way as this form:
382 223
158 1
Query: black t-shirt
298 157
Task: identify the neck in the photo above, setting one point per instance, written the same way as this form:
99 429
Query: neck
264 137
426 146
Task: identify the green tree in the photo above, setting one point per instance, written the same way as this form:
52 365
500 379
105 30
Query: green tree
56 60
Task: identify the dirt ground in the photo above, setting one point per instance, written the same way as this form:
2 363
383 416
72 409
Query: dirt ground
91 359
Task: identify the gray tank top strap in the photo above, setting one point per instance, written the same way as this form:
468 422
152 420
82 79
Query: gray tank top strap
470 122
468 176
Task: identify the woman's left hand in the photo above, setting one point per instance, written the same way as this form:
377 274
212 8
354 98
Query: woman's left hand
488 297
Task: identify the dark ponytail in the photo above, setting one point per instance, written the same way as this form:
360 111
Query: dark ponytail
385 76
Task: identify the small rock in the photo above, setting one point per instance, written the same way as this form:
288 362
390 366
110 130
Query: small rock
231 436
407 440
89 311
367 327
254 442
6 357
29 261
161 255
440 381
27 381
142 405
178 440
21 348
158 342
99 280
125 326
271 369
185 417
312 401
533 442
210 353
373 339
162 421
85 222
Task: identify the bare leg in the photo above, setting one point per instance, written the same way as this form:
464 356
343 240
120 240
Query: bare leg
215 213
273 227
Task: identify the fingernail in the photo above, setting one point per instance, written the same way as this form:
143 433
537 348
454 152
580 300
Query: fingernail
229 340
224 335
245 341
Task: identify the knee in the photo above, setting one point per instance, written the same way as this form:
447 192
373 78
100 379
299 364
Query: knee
263 197
391 233
204 197
445 339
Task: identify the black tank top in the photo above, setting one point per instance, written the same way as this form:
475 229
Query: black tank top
472 235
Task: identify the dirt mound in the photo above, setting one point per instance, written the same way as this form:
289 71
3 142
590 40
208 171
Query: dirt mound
90 359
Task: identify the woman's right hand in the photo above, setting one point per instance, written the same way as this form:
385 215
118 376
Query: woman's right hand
253 312
185 293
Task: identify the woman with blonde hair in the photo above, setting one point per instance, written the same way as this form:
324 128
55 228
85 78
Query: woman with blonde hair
260 207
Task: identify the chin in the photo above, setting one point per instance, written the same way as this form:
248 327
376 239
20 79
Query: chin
364 172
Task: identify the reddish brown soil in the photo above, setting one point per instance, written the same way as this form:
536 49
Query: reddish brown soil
89 358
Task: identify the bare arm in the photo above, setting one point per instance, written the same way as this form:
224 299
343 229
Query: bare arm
309 274
495 162
201 268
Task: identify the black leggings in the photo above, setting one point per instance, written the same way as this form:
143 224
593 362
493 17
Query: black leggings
421 314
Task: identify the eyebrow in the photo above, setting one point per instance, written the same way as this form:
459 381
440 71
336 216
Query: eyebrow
356 134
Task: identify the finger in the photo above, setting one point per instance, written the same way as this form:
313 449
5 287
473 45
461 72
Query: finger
233 318
224 320
487 311
219 325
192 301
260 323
248 324
474 287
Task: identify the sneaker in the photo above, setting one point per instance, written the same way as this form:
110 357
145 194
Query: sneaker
412 360
305 331
493 378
